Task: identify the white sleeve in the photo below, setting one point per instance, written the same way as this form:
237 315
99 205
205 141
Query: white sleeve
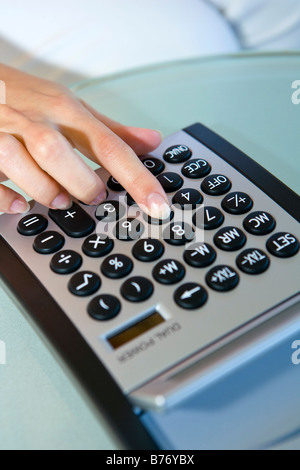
264 24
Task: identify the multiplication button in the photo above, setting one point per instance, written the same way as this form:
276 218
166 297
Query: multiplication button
97 245
253 261
283 245
222 278
190 295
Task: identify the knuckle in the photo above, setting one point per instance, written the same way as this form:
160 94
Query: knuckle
47 143
111 147
8 146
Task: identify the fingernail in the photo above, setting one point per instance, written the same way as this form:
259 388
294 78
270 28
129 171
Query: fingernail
62 201
157 206
100 198
160 134
19 206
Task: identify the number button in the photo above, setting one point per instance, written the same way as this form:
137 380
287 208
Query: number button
259 223
66 262
283 245
215 185
114 185
237 203
170 181
177 154
110 211
84 283
187 198
104 307
137 289
154 165
178 233
48 242
32 224
148 250
196 168
129 229
208 218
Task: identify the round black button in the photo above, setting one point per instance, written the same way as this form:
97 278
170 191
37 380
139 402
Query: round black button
230 238
178 233
66 262
113 184
253 261
84 283
283 245
154 165
208 218
190 295
48 242
148 249
110 211
97 245
177 154
168 271
128 229
170 181
200 255
215 185
104 307
32 224
137 289
222 278
187 198
259 223
129 200
237 203
196 168
116 266
155 221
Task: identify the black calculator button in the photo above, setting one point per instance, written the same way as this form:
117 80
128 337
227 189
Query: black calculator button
75 222
200 255
48 242
113 184
116 266
66 262
177 154
230 238
155 221
104 307
259 223
222 278
208 218
190 295
187 198
253 261
32 224
283 245
168 271
137 289
129 200
154 165
97 245
215 185
196 168
237 203
170 181
178 233
148 249
110 211
128 229
84 283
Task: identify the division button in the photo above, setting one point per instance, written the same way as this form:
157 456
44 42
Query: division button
84 283
170 181
283 245
75 222
215 185
259 223
128 229
32 224
97 245
154 165
168 271
177 154
208 218
200 255
237 203
178 233
116 266
187 198
222 278
110 211
66 262
190 295
230 238
137 289
196 168
253 261
113 184
104 307
148 249
48 242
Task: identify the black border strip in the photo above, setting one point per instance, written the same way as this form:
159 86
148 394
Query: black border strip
273 187
75 352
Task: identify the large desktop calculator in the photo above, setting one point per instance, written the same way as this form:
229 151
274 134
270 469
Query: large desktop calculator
144 311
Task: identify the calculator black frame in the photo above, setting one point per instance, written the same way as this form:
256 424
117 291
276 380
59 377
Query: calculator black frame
26 290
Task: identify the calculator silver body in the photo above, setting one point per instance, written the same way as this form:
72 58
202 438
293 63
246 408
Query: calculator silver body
189 348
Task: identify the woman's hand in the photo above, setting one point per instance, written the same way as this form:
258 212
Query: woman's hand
41 123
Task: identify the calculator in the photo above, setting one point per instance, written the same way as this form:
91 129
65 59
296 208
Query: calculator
146 311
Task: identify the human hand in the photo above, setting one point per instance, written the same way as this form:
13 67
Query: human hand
41 123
